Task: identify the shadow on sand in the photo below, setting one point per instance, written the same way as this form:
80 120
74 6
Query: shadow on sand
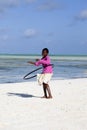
22 95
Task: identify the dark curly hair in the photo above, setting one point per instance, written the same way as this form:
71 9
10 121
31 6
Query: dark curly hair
45 49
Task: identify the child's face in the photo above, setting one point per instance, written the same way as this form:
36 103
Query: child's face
44 53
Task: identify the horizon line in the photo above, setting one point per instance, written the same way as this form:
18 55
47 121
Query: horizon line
40 54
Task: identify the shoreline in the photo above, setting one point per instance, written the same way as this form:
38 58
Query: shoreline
54 79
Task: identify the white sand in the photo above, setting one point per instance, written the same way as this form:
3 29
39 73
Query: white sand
22 109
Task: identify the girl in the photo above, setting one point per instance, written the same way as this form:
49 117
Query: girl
46 75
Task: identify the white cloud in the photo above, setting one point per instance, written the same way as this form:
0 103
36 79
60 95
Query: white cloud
46 5
50 5
5 4
82 15
30 33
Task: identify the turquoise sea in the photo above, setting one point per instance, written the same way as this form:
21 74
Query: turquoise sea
14 67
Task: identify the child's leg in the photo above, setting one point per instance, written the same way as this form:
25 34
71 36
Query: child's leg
44 89
48 90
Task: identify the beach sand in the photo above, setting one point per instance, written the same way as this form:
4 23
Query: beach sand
21 107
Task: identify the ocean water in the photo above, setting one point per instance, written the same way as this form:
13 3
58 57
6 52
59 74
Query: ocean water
14 67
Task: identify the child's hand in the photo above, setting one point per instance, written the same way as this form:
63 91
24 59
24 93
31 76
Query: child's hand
37 59
30 62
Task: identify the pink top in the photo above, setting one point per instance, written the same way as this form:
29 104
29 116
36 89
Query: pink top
45 61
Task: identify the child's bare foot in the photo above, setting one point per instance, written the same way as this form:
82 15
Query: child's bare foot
44 97
49 97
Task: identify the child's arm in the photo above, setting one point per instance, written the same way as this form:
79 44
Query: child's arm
43 61
33 63
39 62
30 62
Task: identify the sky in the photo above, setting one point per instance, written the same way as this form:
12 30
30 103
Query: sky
28 26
